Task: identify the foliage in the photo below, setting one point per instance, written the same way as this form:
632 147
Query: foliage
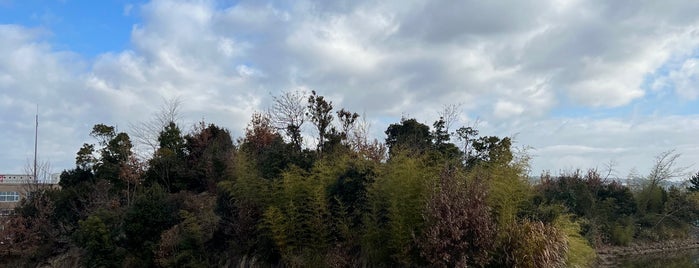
580 253
533 244
99 236
202 200
460 230
408 136
694 181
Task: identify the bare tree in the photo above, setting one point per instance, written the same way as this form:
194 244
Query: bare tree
449 114
666 168
145 133
359 141
131 172
288 113
43 180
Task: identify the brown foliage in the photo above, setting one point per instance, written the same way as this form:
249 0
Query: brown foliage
461 230
534 244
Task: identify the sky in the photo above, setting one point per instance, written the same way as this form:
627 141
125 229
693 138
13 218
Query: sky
581 83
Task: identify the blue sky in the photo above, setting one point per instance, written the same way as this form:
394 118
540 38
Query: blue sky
583 83
85 27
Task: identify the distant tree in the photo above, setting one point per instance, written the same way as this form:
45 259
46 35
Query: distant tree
442 141
265 146
85 159
409 135
493 150
168 164
348 121
288 113
652 195
98 235
320 114
150 214
449 114
694 183
440 133
467 135
146 133
209 151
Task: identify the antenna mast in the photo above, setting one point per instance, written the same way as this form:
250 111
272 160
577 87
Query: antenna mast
36 137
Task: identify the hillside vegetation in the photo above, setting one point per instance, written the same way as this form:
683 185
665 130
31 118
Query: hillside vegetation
426 196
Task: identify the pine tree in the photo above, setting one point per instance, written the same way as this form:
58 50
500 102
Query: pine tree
694 181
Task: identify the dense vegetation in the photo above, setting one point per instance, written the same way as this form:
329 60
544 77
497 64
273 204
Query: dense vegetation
203 200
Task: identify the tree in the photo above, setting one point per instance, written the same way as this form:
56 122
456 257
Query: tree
146 133
210 149
114 155
288 113
442 139
347 120
665 168
168 164
409 135
265 146
694 181
449 114
492 150
320 114
467 135
85 159
98 235
652 196
150 214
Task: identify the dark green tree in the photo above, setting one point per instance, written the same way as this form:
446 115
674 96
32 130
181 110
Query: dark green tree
320 114
168 165
442 141
491 150
409 135
151 213
694 183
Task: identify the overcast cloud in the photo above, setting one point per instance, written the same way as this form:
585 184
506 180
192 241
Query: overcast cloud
582 82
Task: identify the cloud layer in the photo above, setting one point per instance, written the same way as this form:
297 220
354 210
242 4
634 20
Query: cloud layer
568 76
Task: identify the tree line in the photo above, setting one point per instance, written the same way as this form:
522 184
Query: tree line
425 196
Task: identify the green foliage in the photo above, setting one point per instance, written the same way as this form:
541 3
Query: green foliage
184 245
299 218
607 208
398 200
99 236
532 244
579 253
148 216
320 114
202 201
492 150
694 183
622 232
408 136
509 190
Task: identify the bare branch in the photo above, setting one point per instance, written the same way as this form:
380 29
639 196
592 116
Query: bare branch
145 133
449 114
288 113
665 168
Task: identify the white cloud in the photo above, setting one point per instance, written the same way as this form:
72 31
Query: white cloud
686 79
509 63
